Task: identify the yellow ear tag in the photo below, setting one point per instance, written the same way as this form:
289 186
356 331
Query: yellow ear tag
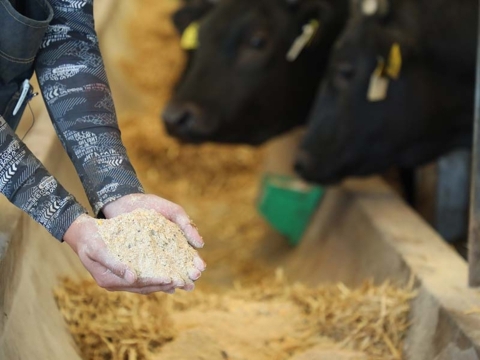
378 87
189 40
303 40
394 65
380 67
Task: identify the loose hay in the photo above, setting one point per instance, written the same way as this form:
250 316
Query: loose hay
149 243
107 325
271 321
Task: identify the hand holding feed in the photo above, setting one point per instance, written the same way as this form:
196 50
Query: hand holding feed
152 245
170 211
109 272
145 245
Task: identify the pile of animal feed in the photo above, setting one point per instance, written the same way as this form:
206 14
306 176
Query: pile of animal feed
274 320
149 244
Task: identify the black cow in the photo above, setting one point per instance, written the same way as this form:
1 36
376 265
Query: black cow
239 85
415 61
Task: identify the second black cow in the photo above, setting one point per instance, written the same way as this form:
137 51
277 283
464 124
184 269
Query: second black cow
399 89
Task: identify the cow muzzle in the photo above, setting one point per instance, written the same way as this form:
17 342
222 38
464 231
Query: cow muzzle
187 122
311 169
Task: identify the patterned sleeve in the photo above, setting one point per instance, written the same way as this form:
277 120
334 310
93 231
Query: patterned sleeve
74 85
28 185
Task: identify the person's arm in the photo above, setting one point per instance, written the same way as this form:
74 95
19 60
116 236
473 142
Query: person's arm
29 186
74 85
76 91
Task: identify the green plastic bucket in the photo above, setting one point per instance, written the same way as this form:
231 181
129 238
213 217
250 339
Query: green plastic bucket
288 204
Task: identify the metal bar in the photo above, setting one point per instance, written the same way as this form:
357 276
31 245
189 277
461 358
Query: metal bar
474 226
452 200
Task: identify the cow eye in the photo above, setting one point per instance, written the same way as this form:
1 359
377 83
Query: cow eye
258 40
346 71
343 75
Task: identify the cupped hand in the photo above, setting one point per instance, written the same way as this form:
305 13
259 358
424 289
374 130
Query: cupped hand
108 272
172 212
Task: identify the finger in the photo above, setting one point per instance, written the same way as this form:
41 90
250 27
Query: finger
157 281
103 276
105 258
199 263
146 290
191 233
178 282
98 253
180 217
107 275
194 273
189 286
101 255
109 280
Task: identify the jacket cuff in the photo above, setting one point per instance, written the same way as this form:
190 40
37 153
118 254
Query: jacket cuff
116 193
65 218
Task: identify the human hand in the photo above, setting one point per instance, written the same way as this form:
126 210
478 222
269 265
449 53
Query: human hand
108 272
172 212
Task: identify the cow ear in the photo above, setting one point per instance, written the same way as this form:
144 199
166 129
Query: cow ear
192 11
320 11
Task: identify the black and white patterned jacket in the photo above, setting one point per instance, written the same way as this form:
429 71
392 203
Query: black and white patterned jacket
74 85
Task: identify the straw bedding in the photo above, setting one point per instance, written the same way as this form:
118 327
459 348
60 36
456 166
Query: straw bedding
274 320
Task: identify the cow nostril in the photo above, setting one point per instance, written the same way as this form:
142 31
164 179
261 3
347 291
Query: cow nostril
188 119
183 119
175 115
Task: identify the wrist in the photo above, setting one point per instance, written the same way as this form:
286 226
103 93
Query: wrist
118 205
113 194
72 234
68 213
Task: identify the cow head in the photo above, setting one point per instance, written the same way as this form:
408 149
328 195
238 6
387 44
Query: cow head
246 80
382 102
